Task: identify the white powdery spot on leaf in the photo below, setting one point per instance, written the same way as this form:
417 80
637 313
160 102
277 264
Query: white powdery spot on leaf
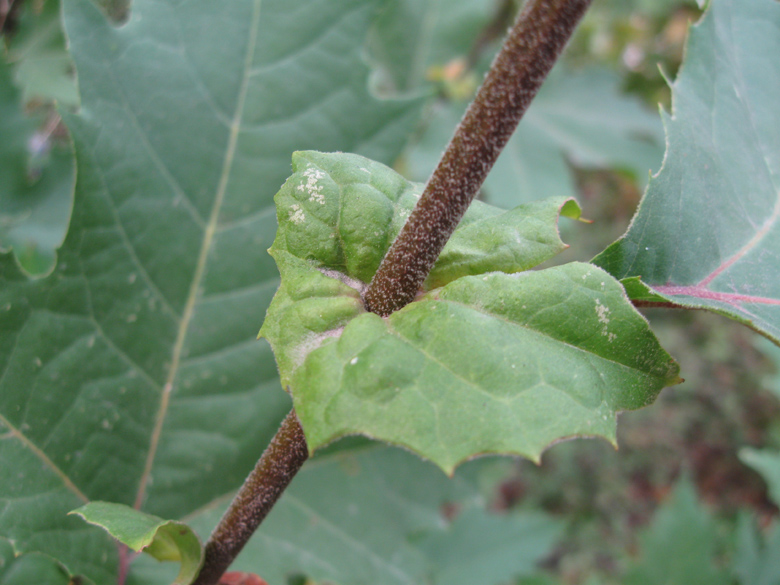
603 316
602 312
311 187
296 214
312 342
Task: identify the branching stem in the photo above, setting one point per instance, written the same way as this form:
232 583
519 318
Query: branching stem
529 52
542 30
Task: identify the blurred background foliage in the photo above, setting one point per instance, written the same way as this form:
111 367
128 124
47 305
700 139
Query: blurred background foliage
692 494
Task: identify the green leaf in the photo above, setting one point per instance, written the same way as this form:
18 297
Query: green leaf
767 464
31 568
707 232
132 374
412 36
36 183
340 212
579 117
386 525
756 557
43 67
505 547
492 343
165 540
680 545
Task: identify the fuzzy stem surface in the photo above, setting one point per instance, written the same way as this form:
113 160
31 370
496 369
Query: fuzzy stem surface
270 477
539 35
529 52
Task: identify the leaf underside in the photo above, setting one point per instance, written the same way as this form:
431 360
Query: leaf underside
707 232
490 359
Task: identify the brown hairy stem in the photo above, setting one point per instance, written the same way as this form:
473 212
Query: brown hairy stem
532 47
539 35
273 473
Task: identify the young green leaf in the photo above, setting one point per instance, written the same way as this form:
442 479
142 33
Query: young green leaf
165 540
339 213
495 360
707 232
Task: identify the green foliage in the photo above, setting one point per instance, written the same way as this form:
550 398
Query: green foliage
680 545
132 373
37 53
757 557
487 341
163 540
137 358
29 568
36 182
707 233
379 516
579 117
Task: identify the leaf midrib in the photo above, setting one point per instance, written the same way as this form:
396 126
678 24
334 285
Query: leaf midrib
200 268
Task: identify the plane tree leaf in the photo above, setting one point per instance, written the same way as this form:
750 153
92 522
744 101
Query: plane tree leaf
36 182
132 373
165 540
707 232
387 525
486 361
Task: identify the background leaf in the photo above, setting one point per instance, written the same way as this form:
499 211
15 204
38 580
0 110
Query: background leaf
680 545
36 182
137 358
29 568
578 117
37 53
388 523
707 233
757 556
412 36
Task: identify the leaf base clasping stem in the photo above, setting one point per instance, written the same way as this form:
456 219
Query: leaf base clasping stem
539 35
529 52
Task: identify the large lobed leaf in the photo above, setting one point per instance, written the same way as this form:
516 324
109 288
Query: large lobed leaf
486 361
707 232
132 373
